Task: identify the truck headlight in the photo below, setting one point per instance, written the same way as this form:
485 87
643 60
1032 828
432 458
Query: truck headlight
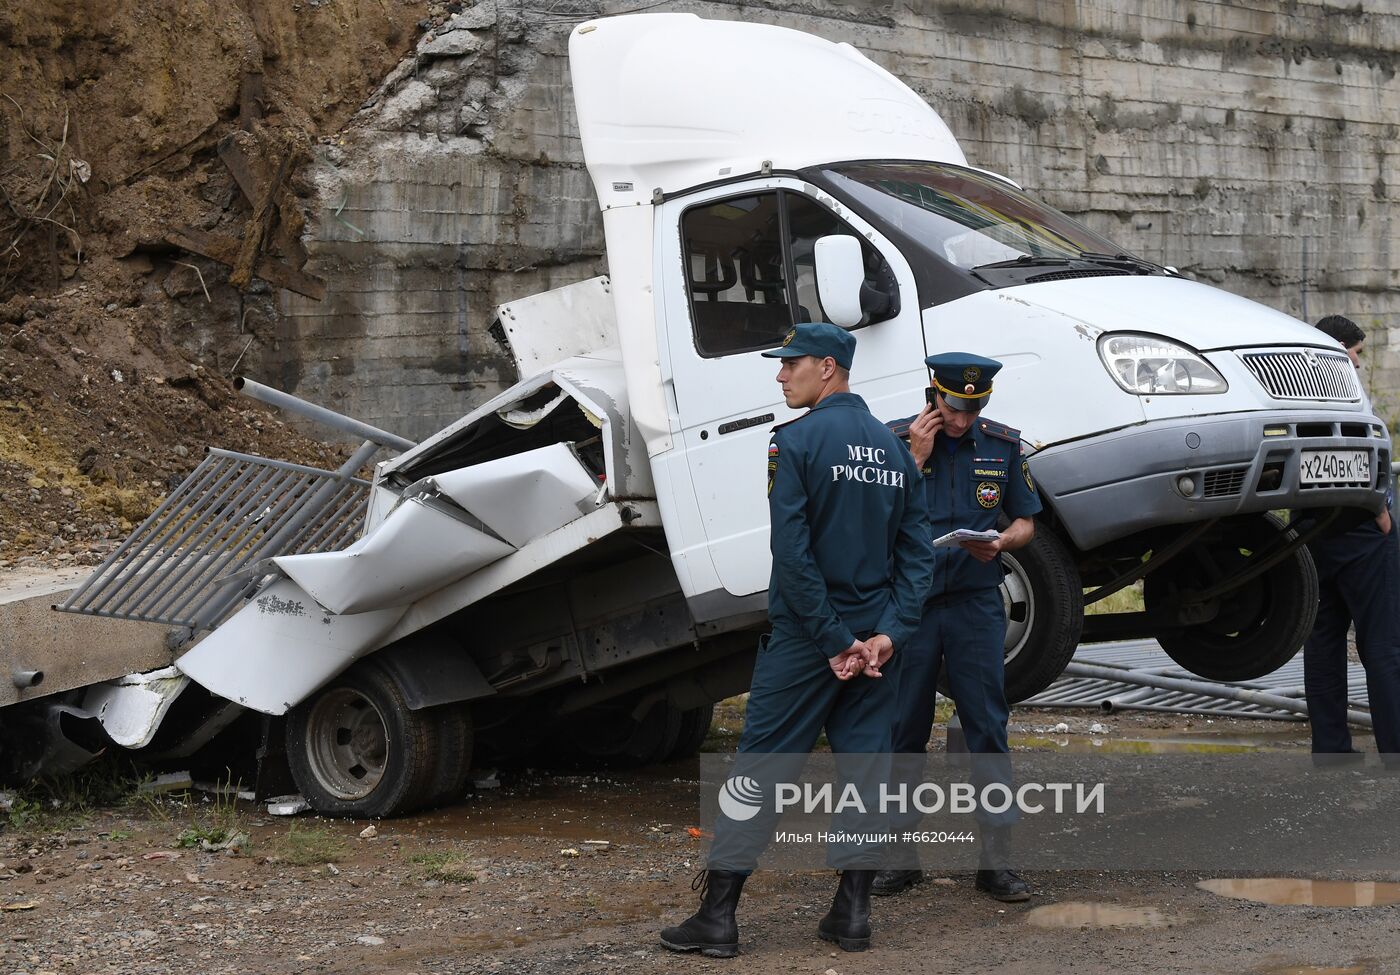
1146 365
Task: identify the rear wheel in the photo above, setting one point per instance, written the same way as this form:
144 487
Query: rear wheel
453 728
356 749
1250 631
1044 603
616 735
695 726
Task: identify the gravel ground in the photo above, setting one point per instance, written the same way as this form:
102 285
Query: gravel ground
507 881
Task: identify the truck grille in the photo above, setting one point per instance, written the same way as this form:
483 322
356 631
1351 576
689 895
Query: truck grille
1306 375
1225 483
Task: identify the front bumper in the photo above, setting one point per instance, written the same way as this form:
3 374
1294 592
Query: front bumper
1113 485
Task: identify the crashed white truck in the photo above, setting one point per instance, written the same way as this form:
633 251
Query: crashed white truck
582 562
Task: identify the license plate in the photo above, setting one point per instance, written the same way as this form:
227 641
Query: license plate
1335 467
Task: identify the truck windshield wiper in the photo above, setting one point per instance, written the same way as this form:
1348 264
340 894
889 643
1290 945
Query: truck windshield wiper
1028 260
1121 259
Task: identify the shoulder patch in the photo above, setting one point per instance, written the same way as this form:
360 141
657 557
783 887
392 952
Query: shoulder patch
999 430
900 428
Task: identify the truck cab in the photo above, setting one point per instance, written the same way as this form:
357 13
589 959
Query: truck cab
1164 419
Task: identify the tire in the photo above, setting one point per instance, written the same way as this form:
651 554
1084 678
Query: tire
1044 602
694 727
453 727
1257 628
356 749
614 737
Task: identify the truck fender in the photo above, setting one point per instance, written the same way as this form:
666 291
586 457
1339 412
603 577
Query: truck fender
433 670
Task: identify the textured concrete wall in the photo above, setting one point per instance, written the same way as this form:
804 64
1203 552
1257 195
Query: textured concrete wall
1251 145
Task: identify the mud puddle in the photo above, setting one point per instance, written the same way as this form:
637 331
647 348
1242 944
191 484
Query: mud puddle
1090 914
1302 891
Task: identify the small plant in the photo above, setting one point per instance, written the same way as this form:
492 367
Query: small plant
449 868
198 834
214 820
306 846
117 835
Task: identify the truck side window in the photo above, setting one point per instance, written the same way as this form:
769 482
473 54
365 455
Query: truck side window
751 273
738 291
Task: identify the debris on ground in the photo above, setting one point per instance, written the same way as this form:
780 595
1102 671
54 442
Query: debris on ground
287 806
369 832
167 782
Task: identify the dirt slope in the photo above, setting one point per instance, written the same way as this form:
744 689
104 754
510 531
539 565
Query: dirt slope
116 348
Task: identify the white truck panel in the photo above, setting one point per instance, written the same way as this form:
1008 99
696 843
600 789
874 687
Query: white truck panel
550 327
671 101
280 647
416 549
523 496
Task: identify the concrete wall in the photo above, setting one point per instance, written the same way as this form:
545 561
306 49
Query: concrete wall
1250 144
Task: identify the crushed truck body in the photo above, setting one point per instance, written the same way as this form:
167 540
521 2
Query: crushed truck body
579 566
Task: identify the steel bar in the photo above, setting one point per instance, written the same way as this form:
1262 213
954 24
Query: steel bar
330 418
1124 675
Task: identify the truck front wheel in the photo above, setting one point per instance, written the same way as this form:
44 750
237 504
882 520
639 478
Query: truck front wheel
1044 604
356 749
1250 631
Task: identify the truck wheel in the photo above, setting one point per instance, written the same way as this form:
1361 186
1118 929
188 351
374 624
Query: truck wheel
1044 603
453 727
614 736
356 749
1257 628
695 725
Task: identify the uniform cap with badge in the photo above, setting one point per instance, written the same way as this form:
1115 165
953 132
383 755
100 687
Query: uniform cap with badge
819 339
964 379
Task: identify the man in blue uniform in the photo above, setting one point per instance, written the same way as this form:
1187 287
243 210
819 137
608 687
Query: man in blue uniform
1358 575
973 473
852 558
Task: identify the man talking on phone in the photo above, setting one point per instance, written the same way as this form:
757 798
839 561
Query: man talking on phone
974 477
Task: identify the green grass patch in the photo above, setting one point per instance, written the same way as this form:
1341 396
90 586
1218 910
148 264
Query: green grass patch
1127 600
309 845
449 868
57 803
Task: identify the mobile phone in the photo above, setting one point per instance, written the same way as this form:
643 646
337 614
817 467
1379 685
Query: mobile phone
931 395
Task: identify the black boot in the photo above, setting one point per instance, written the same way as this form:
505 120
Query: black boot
712 930
848 921
889 882
994 874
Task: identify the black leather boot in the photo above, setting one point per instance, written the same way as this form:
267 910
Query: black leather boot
848 921
994 874
889 882
712 930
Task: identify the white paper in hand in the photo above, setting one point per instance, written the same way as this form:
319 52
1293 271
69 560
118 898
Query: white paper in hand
952 539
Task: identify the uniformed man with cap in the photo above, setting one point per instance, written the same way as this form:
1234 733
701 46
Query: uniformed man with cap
974 474
852 558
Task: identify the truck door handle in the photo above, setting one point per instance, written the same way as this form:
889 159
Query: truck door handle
745 423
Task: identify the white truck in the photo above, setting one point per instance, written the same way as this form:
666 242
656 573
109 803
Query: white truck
583 560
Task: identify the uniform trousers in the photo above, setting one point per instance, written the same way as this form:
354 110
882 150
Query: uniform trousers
793 698
1359 581
967 630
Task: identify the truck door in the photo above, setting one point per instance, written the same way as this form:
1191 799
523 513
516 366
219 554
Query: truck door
738 270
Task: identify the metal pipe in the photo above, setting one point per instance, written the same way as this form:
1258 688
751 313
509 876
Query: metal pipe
26 678
1204 688
330 418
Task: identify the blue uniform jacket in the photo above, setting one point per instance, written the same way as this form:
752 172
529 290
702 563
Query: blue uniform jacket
852 551
969 487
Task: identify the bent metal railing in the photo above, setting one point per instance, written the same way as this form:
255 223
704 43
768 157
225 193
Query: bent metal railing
198 554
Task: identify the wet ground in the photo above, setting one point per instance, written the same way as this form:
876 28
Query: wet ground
570 872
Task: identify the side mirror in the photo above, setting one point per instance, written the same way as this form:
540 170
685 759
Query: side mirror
840 274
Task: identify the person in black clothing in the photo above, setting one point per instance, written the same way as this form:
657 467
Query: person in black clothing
1358 574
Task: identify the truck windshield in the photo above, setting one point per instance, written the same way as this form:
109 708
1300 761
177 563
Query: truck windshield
971 219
